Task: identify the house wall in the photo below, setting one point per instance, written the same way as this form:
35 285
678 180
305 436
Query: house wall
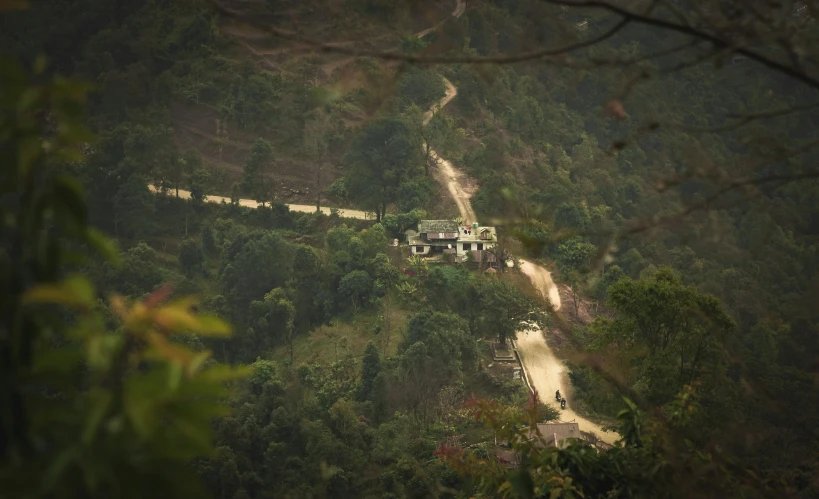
424 250
474 246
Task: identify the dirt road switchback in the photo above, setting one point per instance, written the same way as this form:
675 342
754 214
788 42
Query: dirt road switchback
548 374
455 181
545 371
542 281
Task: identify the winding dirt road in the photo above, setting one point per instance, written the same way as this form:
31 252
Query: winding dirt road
542 280
453 179
545 371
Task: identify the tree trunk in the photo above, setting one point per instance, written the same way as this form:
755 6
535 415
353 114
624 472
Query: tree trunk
387 324
290 343
318 186
427 151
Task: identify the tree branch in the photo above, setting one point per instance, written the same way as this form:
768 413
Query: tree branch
638 18
333 47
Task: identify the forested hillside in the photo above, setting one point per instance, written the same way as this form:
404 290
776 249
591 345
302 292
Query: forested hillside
674 196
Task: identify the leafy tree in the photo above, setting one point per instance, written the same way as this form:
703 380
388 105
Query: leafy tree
575 254
317 136
191 257
256 180
338 238
421 87
199 183
357 286
611 275
503 309
446 335
449 288
308 288
412 44
572 216
253 264
370 369
273 320
379 395
433 130
137 274
208 240
381 159
398 223
680 330
374 240
251 97
133 209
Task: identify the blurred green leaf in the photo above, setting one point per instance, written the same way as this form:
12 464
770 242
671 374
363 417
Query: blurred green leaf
68 193
211 325
225 373
40 63
75 291
100 403
57 361
29 150
106 247
522 484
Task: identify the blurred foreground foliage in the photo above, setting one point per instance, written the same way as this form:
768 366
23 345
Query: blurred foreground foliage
655 457
96 398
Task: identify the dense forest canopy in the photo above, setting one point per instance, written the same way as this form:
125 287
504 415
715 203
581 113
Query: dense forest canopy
658 157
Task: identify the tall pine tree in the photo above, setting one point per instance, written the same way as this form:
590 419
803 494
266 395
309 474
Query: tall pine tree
370 369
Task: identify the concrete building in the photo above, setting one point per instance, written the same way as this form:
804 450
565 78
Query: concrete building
436 238
553 435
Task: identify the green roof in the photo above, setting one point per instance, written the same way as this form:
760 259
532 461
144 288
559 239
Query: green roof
433 226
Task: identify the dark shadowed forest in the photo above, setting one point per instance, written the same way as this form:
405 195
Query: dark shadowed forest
207 289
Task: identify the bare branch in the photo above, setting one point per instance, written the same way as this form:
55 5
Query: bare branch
690 30
418 59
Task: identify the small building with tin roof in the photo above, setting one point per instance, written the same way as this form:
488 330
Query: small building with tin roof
440 237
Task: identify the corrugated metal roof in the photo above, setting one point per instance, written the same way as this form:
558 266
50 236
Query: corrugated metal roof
557 433
428 226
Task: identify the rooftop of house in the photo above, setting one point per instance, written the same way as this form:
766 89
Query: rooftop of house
557 434
433 226
481 234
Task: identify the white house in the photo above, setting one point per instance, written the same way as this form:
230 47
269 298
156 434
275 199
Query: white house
439 237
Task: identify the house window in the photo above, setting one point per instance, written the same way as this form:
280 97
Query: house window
480 246
419 249
467 246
